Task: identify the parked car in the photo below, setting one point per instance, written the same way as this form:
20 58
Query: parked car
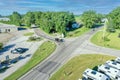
19 50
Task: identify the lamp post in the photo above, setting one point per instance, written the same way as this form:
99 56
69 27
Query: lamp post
104 30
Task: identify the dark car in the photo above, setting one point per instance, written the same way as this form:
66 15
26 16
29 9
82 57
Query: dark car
19 50
59 40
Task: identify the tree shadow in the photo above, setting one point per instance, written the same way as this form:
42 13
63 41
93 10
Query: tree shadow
4 69
95 68
23 57
6 48
20 29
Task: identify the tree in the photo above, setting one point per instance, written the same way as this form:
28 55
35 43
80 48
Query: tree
15 18
109 25
29 18
90 18
115 16
1 45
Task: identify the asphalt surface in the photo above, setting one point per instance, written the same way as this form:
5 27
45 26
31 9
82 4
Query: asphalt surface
45 69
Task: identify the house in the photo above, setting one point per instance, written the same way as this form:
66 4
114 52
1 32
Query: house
4 19
94 75
33 26
113 64
7 28
75 25
113 73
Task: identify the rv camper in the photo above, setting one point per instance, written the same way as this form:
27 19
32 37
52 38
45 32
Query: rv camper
113 73
94 75
113 64
117 59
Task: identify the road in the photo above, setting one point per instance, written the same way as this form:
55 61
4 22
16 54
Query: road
64 50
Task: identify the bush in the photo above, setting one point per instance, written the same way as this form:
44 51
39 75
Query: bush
33 38
119 35
106 39
1 45
112 30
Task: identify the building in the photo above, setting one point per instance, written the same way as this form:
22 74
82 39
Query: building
113 73
113 64
7 28
4 19
75 25
33 26
94 75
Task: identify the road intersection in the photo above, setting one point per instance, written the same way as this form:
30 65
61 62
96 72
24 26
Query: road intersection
63 53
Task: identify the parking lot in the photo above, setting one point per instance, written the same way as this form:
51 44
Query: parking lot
11 45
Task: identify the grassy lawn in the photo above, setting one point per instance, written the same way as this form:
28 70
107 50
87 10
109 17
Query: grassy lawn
28 34
77 32
42 53
75 67
113 40
78 19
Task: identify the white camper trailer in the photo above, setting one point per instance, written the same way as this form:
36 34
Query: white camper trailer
117 59
94 75
113 73
113 64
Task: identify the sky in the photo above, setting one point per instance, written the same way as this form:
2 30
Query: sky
75 6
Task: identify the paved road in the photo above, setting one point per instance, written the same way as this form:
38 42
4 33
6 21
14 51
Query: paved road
64 50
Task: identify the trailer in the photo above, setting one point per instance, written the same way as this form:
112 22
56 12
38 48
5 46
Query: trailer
90 74
113 64
113 73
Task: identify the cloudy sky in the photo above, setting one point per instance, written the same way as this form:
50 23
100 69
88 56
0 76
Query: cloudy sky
75 6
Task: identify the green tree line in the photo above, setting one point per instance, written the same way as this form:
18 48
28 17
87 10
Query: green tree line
47 21
59 21
115 17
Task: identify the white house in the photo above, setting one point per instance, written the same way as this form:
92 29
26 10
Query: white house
94 75
4 19
113 73
7 28
113 64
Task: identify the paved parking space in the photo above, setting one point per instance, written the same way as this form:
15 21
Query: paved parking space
19 42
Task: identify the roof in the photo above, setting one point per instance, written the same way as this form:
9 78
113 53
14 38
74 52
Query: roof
33 25
94 74
112 72
4 19
7 26
117 59
113 64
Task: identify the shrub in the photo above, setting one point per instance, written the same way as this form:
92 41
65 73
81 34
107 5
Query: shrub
1 45
33 38
106 39
119 35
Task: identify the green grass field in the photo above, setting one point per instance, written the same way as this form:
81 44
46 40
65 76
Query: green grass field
73 69
28 34
113 40
77 32
42 53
